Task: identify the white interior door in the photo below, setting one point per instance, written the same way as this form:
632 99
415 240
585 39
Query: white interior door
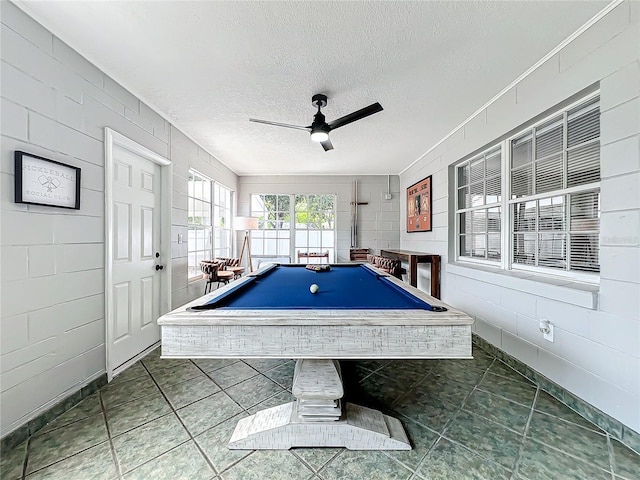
138 270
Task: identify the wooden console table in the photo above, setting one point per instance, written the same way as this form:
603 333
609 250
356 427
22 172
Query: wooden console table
413 259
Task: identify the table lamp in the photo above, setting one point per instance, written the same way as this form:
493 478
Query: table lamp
247 224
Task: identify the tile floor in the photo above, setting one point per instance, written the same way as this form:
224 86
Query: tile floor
171 419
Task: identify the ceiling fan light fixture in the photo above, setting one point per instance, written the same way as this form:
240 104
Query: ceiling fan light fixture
319 136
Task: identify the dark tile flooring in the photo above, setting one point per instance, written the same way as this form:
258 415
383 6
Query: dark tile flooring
467 419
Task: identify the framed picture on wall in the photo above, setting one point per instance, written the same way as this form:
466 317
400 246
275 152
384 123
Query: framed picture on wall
419 206
40 181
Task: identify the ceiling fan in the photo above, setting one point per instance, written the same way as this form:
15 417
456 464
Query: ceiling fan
320 128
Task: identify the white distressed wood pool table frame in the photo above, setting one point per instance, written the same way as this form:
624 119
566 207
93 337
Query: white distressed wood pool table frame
319 336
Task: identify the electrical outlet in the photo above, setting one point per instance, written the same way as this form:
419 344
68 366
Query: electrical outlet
546 328
388 196
549 335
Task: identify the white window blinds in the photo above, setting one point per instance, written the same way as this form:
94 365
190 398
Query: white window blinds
555 207
478 209
552 201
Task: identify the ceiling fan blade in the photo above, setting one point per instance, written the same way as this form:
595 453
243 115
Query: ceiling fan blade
357 115
327 145
298 127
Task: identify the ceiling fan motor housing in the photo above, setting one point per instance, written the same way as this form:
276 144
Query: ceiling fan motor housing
319 100
319 128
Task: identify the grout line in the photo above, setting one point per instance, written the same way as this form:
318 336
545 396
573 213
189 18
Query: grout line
111 446
464 400
29 439
304 462
516 465
599 419
413 385
315 472
475 388
66 458
398 461
612 458
222 390
244 410
46 432
228 386
441 435
191 437
25 460
424 459
490 421
330 461
560 450
504 397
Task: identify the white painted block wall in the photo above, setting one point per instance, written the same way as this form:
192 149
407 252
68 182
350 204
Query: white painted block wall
596 353
378 221
55 104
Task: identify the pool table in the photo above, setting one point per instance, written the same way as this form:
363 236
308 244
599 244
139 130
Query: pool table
359 312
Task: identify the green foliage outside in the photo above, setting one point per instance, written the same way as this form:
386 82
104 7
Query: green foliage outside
311 211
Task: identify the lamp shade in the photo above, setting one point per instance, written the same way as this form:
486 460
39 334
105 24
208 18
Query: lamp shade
245 223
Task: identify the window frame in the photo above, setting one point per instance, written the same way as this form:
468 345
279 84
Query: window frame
212 227
330 249
259 253
227 229
196 226
292 229
484 154
506 262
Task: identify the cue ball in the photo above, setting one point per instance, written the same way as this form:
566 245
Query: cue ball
314 288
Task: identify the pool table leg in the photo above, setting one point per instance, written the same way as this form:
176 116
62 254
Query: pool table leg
317 419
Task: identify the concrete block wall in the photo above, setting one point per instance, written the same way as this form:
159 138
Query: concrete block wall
596 353
56 104
378 221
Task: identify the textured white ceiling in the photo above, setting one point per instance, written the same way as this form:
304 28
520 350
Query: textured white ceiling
210 66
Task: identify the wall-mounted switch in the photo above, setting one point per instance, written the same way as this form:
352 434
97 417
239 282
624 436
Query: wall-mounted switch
388 196
179 238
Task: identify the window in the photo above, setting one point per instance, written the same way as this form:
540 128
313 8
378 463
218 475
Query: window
199 225
273 237
209 232
279 238
555 191
553 204
315 224
222 234
479 183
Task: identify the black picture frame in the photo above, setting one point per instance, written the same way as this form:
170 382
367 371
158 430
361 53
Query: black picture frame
419 211
42 181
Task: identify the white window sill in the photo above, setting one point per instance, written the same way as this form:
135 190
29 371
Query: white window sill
563 290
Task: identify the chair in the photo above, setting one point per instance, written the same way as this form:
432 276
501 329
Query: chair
212 272
225 275
389 265
233 265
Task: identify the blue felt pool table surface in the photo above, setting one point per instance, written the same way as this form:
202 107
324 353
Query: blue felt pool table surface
286 287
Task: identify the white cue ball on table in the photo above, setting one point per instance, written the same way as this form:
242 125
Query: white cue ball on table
314 288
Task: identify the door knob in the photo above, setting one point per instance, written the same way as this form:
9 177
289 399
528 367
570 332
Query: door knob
159 267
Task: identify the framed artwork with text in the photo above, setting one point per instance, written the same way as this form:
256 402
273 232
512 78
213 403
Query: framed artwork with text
40 181
419 206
